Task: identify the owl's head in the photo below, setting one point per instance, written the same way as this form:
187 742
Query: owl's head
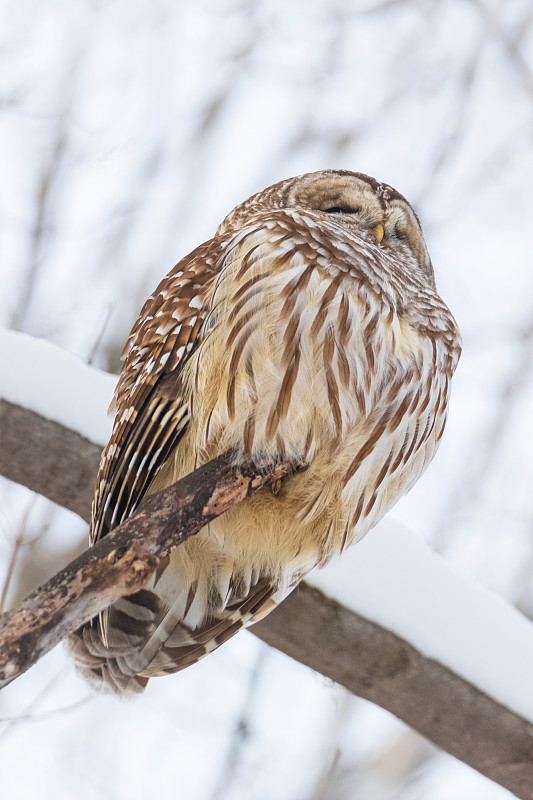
353 201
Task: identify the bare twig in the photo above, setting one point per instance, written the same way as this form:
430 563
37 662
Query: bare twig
17 544
52 712
29 711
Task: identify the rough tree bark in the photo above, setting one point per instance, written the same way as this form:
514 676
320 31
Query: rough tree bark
362 656
122 562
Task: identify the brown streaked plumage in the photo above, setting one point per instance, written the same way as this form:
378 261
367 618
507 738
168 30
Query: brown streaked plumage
308 327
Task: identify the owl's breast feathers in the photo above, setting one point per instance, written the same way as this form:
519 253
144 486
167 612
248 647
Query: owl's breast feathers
317 347
288 338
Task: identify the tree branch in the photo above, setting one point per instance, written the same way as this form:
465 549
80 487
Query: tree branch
122 562
310 627
381 667
48 458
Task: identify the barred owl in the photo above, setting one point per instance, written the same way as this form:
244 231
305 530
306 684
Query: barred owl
308 327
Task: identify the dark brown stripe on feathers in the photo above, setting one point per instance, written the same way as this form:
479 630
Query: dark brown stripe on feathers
399 458
248 434
248 285
383 472
229 632
147 599
408 454
333 389
239 325
367 448
358 510
248 260
190 597
129 625
187 654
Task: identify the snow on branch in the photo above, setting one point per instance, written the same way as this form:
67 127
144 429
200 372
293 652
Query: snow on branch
446 657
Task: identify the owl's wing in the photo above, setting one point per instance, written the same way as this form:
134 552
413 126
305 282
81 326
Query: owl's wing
151 411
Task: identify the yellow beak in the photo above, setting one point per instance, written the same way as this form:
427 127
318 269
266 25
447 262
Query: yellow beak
379 232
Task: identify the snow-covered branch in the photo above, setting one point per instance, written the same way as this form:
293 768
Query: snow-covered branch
448 658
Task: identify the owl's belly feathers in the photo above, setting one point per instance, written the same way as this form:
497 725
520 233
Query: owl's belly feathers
307 366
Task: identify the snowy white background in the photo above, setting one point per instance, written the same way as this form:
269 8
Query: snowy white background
128 130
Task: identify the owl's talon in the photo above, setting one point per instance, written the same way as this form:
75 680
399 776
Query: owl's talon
276 487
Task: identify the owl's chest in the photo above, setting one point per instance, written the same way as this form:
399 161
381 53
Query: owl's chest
294 360
309 366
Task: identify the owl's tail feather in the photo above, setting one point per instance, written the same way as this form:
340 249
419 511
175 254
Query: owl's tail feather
147 637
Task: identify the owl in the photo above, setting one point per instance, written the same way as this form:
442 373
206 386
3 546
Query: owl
308 328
